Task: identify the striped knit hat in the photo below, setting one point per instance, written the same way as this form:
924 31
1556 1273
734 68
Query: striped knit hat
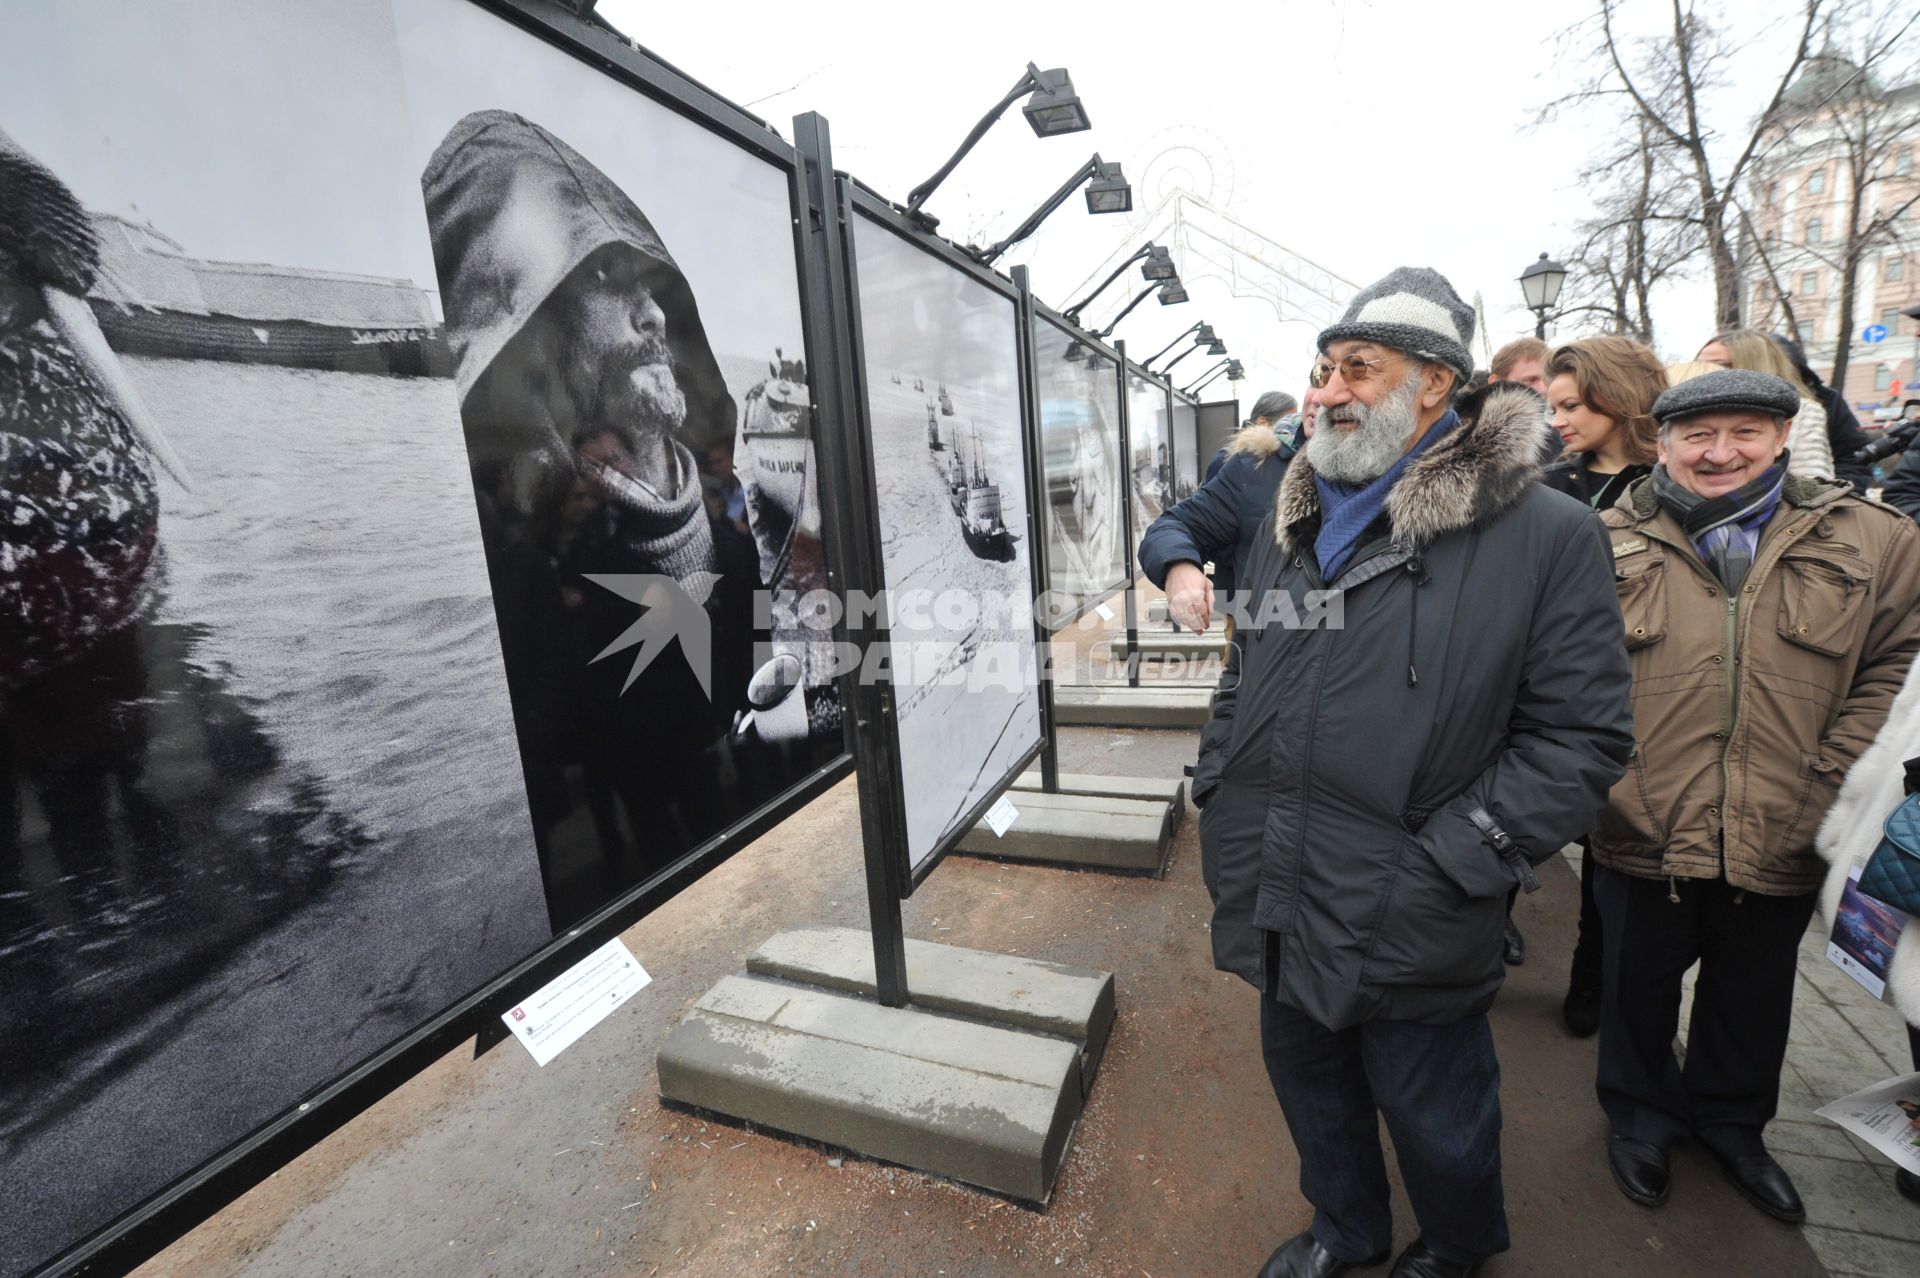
1415 310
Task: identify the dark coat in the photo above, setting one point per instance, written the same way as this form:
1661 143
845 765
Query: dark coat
1218 523
1475 663
1903 485
1845 437
1568 474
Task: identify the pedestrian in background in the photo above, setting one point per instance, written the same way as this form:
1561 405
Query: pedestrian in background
1875 786
1370 790
1601 392
1770 620
1844 436
1810 453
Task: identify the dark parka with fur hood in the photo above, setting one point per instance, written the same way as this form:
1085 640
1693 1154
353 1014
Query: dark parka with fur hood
1476 665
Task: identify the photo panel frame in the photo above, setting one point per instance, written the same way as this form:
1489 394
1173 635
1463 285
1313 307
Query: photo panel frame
944 429
291 339
1085 482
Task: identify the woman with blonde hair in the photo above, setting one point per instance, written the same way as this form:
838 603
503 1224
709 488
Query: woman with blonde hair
1601 391
1809 452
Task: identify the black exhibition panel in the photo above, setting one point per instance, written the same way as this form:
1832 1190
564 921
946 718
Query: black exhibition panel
420 390
1217 421
943 425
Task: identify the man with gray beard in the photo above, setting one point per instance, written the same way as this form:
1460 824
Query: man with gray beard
1369 794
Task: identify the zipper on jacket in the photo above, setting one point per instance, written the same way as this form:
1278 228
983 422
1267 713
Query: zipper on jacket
1733 717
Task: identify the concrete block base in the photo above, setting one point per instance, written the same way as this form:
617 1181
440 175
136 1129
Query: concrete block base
1073 1003
1156 789
1162 705
1092 830
1166 645
981 1079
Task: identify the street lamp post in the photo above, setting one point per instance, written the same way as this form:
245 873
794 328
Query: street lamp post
1540 284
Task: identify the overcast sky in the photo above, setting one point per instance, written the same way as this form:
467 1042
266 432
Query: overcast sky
1359 135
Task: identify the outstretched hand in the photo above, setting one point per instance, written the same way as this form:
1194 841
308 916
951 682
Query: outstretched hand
1189 597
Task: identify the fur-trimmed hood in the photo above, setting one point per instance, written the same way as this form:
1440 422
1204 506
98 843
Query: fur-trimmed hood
1474 473
1259 443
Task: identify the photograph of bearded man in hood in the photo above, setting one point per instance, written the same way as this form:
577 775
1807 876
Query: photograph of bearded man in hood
591 400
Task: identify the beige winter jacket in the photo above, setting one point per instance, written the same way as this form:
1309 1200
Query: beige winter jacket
1747 712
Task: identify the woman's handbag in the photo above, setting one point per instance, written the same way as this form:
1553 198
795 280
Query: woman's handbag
1893 871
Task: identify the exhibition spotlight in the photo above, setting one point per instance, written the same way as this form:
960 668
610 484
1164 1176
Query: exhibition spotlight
1233 370
1213 347
1076 352
1171 292
1052 109
1157 265
1203 332
1107 192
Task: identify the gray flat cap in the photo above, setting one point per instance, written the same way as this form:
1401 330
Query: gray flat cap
1730 390
1412 309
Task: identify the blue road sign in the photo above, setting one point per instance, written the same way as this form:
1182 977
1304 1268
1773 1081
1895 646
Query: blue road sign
1873 333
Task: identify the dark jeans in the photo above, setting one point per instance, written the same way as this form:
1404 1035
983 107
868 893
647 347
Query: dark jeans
1439 1088
1747 945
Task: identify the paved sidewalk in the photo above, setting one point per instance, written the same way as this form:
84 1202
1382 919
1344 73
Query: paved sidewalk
1843 1039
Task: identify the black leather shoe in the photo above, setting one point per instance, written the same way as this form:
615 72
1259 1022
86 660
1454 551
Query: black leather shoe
1581 1010
1908 1184
1766 1185
1417 1261
1515 952
1640 1169
1304 1257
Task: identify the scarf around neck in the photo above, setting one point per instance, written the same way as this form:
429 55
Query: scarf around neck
1724 529
1346 511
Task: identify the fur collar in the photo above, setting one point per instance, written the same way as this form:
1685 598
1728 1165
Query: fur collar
1475 473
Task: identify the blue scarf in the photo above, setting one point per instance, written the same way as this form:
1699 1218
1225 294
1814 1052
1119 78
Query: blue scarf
1346 510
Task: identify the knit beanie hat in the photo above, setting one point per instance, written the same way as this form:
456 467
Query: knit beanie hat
1415 310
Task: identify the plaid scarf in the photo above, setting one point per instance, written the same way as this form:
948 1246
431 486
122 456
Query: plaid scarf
1724 529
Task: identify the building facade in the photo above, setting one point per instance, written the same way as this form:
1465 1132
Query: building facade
1797 244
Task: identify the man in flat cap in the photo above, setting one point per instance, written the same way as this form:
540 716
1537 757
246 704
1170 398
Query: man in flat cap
1770 620
1372 788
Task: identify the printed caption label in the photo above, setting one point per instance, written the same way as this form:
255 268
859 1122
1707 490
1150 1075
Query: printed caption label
1001 816
1106 613
554 1017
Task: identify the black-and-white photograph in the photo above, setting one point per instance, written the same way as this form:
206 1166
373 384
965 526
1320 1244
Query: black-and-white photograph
623 313
1080 436
950 470
1150 460
262 809
1186 447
